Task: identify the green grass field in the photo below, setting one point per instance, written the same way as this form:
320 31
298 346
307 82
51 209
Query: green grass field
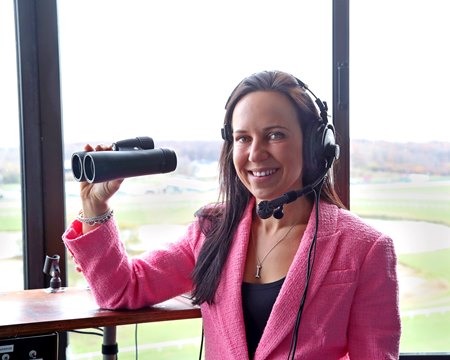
429 329
164 340
426 330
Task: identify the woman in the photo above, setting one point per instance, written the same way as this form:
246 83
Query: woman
310 282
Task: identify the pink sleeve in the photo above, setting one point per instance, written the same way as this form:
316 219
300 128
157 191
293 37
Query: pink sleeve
374 328
119 281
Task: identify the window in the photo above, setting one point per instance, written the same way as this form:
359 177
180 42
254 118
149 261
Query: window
134 45
165 70
400 152
11 253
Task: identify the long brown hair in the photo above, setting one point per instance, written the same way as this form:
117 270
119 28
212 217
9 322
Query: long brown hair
219 222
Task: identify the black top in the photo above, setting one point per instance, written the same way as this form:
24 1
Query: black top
257 303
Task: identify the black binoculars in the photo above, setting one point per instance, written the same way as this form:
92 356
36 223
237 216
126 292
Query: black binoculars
128 158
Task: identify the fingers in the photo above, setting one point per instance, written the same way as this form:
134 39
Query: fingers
100 147
103 147
95 196
114 185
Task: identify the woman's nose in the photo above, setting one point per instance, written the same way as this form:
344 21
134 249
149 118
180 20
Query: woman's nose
258 151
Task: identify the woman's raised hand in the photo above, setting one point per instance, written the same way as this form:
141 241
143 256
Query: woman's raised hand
95 196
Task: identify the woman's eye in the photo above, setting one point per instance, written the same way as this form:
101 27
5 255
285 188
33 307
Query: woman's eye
276 135
241 139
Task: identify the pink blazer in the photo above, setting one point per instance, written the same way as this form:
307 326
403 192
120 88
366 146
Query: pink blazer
351 311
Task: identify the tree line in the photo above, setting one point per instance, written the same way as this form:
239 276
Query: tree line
430 158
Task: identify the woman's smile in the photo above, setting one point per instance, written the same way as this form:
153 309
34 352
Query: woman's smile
263 173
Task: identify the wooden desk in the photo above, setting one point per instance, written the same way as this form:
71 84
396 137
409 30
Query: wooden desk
32 312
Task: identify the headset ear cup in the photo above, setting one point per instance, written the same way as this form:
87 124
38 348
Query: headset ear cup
319 149
330 147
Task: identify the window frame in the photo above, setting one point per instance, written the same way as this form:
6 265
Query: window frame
41 138
41 148
341 99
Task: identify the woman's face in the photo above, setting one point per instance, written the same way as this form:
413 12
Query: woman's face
268 142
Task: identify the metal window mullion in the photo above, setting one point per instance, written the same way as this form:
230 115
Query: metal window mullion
41 137
341 100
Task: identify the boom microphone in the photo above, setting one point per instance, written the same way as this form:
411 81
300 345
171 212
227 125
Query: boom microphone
268 208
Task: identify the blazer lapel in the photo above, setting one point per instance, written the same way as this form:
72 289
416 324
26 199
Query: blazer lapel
228 307
284 313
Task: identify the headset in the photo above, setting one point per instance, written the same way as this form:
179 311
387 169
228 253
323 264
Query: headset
320 150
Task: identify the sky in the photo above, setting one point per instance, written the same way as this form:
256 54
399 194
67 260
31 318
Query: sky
165 69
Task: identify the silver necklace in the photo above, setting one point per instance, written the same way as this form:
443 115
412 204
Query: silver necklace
260 262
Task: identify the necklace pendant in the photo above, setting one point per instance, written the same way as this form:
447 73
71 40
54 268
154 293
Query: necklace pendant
258 271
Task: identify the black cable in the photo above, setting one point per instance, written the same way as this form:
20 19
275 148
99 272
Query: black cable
201 343
310 263
87 332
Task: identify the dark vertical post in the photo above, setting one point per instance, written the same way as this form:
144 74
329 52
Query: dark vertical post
41 140
341 98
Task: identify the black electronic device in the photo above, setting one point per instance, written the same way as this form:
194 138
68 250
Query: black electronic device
38 347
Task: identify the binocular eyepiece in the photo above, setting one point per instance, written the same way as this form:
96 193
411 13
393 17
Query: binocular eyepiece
128 158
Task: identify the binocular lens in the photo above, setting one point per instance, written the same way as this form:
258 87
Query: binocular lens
89 169
77 165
